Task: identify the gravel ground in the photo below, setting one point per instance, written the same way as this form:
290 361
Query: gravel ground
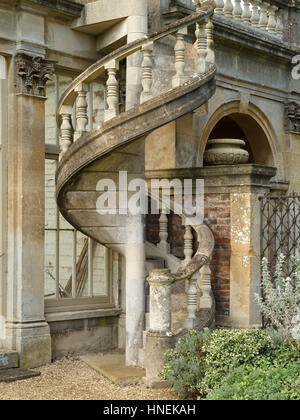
71 379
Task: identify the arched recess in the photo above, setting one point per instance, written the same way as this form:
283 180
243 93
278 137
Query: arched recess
253 127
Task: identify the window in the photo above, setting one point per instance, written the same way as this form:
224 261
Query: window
77 270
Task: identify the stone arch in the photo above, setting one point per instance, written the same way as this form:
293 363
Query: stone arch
257 130
3 72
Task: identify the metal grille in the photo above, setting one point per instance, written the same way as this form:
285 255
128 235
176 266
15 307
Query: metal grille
280 229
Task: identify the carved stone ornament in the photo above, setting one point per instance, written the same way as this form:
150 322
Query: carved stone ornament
226 152
292 117
32 74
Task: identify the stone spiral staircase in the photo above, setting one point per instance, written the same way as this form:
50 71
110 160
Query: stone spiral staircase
87 157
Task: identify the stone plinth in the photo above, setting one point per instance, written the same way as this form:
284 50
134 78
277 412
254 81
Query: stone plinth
157 344
159 337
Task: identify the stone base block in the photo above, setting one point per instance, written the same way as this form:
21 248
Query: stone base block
156 384
32 342
13 375
156 346
8 359
191 323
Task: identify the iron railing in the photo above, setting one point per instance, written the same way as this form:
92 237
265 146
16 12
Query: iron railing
280 229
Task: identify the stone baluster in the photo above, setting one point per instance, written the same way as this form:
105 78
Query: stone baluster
255 13
228 8
246 15
237 10
211 58
82 119
205 286
66 130
180 78
188 244
147 66
272 20
159 337
112 90
191 321
219 10
201 44
279 25
198 4
263 21
163 234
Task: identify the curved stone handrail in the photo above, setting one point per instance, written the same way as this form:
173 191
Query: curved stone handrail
202 256
94 71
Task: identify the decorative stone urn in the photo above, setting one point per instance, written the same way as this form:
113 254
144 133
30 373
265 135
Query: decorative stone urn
226 152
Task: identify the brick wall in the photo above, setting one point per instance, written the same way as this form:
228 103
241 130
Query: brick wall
217 216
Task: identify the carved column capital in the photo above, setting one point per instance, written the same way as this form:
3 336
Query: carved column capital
292 117
32 74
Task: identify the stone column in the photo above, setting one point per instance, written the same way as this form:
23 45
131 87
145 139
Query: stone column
159 337
135 288
3 188
135 248
26 329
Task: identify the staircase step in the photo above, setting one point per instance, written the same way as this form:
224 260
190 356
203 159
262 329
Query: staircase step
147 321
8 359
154 263
113 366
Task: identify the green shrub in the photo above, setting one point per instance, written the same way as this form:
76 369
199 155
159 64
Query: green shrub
185 364
229 349
250 383
200 361
281 302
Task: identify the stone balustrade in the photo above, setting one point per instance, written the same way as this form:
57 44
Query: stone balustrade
257 14
198 281
73 109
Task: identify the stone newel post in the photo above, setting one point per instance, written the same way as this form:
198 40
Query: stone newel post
159 337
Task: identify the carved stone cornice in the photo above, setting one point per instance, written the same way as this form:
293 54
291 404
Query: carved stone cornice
292 117
32 74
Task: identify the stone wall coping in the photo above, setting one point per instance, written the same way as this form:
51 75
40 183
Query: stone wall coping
214 171
61 7
223 179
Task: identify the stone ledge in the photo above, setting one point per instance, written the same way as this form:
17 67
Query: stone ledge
76 315
66 8
238 34
222 179
211 171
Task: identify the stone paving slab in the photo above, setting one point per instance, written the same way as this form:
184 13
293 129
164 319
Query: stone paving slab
12 375
112 366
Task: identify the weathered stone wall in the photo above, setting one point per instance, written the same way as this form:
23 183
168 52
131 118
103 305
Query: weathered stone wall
81 336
